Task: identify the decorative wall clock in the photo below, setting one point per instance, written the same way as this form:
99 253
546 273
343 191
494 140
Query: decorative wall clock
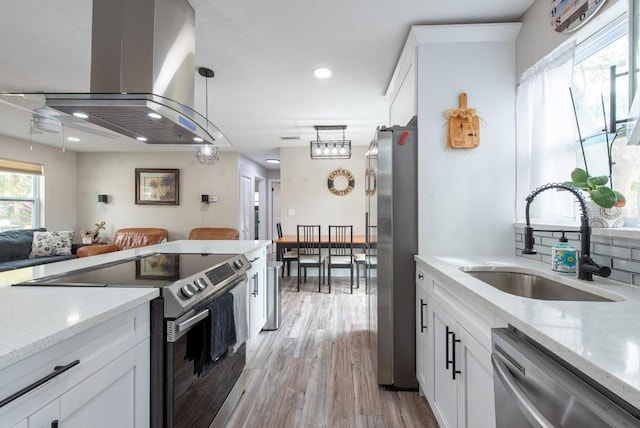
568 15
341 182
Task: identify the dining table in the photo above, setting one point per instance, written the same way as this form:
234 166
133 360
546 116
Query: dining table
289 242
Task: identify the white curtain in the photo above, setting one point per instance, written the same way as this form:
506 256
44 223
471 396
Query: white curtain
546 136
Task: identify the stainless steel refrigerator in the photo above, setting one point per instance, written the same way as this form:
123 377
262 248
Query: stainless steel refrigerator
392 228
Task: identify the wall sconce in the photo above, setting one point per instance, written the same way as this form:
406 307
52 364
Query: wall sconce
103 199
207 199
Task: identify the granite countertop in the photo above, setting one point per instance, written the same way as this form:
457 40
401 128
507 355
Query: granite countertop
601 339
35 318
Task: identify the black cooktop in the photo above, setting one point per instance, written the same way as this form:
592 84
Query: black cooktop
154 270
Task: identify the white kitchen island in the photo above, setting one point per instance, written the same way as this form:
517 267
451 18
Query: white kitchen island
106 329
600 339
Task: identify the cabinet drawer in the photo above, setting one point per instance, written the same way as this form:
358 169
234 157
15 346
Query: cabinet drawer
93 348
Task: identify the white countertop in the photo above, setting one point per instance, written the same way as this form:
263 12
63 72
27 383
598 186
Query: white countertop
601 339
35 318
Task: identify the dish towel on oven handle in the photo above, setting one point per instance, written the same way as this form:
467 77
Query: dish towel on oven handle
240 314
207 346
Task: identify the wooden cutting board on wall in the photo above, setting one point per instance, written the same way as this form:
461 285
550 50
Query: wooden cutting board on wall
464 126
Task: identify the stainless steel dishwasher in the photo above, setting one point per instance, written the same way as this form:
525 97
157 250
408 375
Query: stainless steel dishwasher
535 389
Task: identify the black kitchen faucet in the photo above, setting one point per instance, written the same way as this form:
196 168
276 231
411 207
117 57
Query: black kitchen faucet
586 266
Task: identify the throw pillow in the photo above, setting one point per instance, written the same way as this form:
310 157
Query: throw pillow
51 244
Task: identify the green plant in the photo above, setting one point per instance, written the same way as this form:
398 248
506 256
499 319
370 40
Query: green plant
597 189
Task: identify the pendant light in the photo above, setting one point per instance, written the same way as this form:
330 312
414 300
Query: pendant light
207 154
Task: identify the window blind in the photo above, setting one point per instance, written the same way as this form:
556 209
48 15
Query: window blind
7 165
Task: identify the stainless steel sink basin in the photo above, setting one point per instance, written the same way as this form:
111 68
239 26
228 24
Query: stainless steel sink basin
532 286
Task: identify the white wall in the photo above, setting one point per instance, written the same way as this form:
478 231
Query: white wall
114 174
537 38
59 179
466 197
304 190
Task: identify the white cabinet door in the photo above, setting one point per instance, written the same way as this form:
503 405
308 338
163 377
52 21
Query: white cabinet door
476 407
47 417
109 397
444 386
424 344
257 292
23 424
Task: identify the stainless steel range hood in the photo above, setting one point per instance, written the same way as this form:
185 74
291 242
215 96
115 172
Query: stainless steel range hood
142 74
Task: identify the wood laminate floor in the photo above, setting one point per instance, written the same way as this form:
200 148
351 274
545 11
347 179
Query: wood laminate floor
317 369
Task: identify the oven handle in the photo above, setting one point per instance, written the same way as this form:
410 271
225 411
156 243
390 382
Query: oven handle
185 325
531 412
177 328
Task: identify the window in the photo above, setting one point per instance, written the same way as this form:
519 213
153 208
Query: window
548 147
601 92
19 183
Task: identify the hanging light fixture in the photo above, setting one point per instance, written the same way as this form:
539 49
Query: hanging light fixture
207 154
330 149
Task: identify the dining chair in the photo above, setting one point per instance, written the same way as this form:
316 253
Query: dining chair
286 256
309 252
340 251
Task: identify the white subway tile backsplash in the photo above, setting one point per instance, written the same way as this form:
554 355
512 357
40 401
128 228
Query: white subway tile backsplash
601 260
627 265
622 276
617 252
621 254
601 239
624 242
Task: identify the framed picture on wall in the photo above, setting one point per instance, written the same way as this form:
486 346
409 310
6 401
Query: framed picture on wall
157 186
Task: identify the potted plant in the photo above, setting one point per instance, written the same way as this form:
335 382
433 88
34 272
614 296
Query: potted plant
597 189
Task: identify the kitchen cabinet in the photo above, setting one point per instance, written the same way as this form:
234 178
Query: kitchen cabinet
463 376
256 290
106 384
424 336
454 361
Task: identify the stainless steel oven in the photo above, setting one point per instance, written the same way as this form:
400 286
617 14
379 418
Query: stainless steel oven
198 293
194 397
533 388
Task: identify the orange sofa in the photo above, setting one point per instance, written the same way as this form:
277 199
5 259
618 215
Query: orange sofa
127 238
214 233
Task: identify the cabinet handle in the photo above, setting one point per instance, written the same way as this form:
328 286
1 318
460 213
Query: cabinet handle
454 371
420 276
54 424
255 285
57 370
447 332
422 326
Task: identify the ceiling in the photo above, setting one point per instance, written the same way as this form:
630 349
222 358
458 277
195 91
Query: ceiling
263 55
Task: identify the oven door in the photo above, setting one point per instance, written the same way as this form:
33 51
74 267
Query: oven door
194 400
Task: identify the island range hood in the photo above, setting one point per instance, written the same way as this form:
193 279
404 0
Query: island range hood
142 74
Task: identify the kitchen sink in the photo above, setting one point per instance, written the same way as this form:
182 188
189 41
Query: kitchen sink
530 285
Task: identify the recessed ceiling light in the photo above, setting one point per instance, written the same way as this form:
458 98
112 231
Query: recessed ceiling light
272 160
154 115
143 139
322 73
198 139
80 115
74 139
